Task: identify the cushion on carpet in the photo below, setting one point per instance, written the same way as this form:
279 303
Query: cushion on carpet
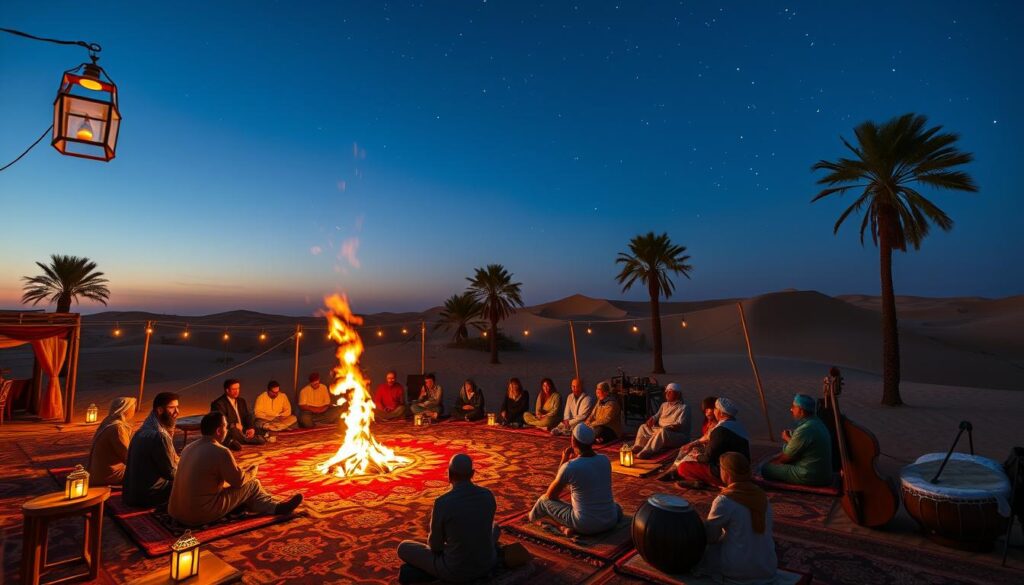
606 546
155 531
833 489
644 467
633 564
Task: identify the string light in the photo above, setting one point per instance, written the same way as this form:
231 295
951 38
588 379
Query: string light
635 328
225 337
526 332
380 333
483 333
185 333
299 334
263 335
683 323
149 331
117 329
405 331
590 330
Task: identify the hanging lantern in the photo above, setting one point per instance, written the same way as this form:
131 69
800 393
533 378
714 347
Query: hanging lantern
185 557
492 419
92 413
117 329
380 333
683 323
86 119
417 420
263 336
526 332
405 331
635 328
77 484
626 455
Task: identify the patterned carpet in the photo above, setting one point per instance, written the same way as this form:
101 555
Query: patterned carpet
352 527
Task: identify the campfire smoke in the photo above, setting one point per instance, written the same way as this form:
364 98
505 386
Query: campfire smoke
359 453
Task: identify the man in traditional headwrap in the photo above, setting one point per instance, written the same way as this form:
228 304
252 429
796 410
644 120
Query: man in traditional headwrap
739 528
152 460
463 540
592 508
669 427
807 457
727 435
110 444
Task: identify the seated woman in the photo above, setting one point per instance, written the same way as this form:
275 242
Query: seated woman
548 412
606 418
469 405
517 402
694 449
110 444
739 529
728 435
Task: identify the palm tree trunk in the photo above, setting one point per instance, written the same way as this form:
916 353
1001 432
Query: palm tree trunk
494 339
659 366
64 303
890 326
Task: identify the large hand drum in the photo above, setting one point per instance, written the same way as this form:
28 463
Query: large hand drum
669 534
968 507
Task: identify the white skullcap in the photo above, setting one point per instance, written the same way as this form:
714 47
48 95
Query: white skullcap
673 387
727 406
583 434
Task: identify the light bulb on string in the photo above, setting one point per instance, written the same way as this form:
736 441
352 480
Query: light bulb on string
263 335
526 332
590 330
117 329
380 333
483 334
683 323
84 130
186 334
149 330
635 328
405 331
225 337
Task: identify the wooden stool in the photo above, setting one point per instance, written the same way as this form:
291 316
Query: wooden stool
38 513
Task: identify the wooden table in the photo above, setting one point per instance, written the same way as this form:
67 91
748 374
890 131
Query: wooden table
40 511
212 571
188 424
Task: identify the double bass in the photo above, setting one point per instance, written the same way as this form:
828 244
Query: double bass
868 499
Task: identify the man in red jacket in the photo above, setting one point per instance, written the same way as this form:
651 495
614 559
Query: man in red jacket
390 398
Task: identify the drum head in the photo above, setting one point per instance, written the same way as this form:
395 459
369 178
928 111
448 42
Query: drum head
669 503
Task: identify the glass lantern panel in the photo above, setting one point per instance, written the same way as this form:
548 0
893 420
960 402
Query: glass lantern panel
115 126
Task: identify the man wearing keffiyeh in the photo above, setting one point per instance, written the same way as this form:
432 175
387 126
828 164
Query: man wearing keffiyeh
739 528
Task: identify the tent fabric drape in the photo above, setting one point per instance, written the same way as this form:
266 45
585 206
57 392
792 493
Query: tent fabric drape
32 333
51 353
8 342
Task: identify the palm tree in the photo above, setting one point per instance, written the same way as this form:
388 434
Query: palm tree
652 259
498 296
889 162
460 312
66 278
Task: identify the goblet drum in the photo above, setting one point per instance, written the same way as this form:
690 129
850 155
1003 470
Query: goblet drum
669 534
967 508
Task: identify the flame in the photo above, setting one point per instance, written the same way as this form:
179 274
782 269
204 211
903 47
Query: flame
359 453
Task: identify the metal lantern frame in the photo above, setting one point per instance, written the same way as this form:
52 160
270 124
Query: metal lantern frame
185 557
92 414
77 484
626 455
87 96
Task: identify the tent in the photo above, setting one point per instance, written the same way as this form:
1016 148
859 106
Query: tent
55 337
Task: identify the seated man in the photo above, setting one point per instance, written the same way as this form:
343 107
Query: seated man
152 460
807 457
699 468
316 404
469 405
430 401
548 411
669 427
110 444
606 418
199 495
273 410
577 409
589 478
739 529
463 540
241 425
389 399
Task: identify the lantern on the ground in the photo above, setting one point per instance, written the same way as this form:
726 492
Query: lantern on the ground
417 420
626 455
92 413
77 484
86 119
185 557
492 419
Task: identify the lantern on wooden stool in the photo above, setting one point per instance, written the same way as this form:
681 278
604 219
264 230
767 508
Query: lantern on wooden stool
626 455
417 420
492 419
92 413
77 484
86 119
185 557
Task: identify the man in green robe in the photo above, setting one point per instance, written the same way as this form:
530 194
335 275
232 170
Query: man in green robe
806 458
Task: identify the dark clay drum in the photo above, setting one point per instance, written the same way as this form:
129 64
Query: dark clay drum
669 534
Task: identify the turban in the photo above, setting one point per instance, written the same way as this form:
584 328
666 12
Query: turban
673 387
727 406
805 402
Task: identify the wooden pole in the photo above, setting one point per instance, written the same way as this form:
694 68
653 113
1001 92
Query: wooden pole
423 347
145 360
757 375
572 339
295 380
72 380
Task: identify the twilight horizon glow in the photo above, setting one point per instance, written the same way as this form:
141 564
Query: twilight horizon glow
388 150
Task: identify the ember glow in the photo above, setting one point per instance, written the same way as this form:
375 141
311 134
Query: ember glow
360 453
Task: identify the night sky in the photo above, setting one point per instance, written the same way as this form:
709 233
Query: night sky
275 152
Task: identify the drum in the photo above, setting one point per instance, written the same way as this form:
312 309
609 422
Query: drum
968 507
669 534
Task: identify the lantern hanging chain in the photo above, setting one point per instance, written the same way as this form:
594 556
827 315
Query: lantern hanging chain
38 140
93 48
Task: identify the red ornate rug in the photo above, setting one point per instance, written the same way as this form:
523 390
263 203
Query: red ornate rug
633 564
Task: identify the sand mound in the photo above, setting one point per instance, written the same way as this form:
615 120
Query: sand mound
579 307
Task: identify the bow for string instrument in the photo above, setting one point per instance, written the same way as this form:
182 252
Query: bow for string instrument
868 499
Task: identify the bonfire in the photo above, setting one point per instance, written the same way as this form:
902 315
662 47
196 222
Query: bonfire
359 453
